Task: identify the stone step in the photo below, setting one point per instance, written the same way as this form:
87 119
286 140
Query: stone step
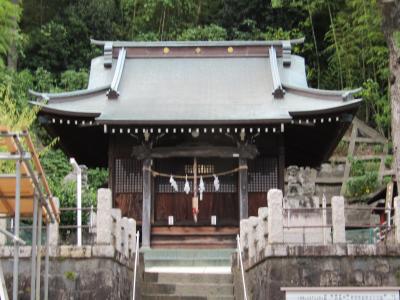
194 244
179 289
188 278
187 253
165 297
187 258
188 263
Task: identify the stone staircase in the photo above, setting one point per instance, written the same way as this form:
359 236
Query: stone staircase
174 286
187 275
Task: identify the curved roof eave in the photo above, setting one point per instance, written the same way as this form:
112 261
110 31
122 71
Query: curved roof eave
344 94
55 111
196 43
76 93
341 108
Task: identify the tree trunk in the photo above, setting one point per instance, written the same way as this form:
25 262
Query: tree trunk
391 28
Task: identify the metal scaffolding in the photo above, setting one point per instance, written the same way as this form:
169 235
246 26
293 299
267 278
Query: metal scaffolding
26 193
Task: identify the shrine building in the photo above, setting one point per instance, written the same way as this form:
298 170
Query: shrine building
194 134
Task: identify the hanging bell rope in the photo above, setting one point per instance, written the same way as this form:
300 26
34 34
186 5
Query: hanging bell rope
210 175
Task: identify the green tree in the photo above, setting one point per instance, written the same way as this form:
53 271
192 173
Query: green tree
9 16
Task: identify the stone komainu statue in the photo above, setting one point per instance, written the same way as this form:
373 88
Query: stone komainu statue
301 187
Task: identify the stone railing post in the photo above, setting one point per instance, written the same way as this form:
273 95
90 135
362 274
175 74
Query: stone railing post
252 237
244 236
131 235
54 228
262 228
3 225
397 219
275 216
338 220
116 228
125 236
104 221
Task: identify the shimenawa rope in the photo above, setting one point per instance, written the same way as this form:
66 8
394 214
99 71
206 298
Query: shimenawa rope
160 174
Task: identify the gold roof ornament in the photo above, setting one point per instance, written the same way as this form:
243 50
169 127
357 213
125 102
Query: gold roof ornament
230 50
166 50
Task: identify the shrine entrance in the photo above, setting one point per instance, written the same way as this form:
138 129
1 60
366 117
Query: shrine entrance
220 203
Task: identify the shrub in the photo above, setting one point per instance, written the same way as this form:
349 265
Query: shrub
362 185
389 161
360 167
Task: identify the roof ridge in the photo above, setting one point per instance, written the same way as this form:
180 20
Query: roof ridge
198 43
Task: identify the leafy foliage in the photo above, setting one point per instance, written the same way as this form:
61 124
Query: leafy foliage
9 16
207 33
362 185
364 178
57 166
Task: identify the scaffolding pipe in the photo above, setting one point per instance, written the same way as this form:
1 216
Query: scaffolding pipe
13 237
46 263
39 253
35 181
78 171
16 228
136 264
239 250
34 250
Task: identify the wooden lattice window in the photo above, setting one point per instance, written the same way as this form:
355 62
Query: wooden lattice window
128 175
262 174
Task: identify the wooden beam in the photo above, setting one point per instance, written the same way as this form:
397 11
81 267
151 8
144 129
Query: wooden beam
146 216
243 151
243 190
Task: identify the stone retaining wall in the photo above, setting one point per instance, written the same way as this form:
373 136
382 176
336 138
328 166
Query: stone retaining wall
316 266
88 272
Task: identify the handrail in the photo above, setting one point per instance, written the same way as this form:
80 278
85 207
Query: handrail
136 263
239 248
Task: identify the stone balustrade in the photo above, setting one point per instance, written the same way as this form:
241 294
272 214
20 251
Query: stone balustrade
276 225
112 228
115 235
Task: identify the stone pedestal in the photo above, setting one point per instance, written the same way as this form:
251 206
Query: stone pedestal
338 220
275 216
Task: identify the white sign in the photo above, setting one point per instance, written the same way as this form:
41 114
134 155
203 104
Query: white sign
342 295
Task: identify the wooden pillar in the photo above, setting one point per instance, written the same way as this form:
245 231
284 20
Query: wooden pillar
111 166
281 164
243 190
146 216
